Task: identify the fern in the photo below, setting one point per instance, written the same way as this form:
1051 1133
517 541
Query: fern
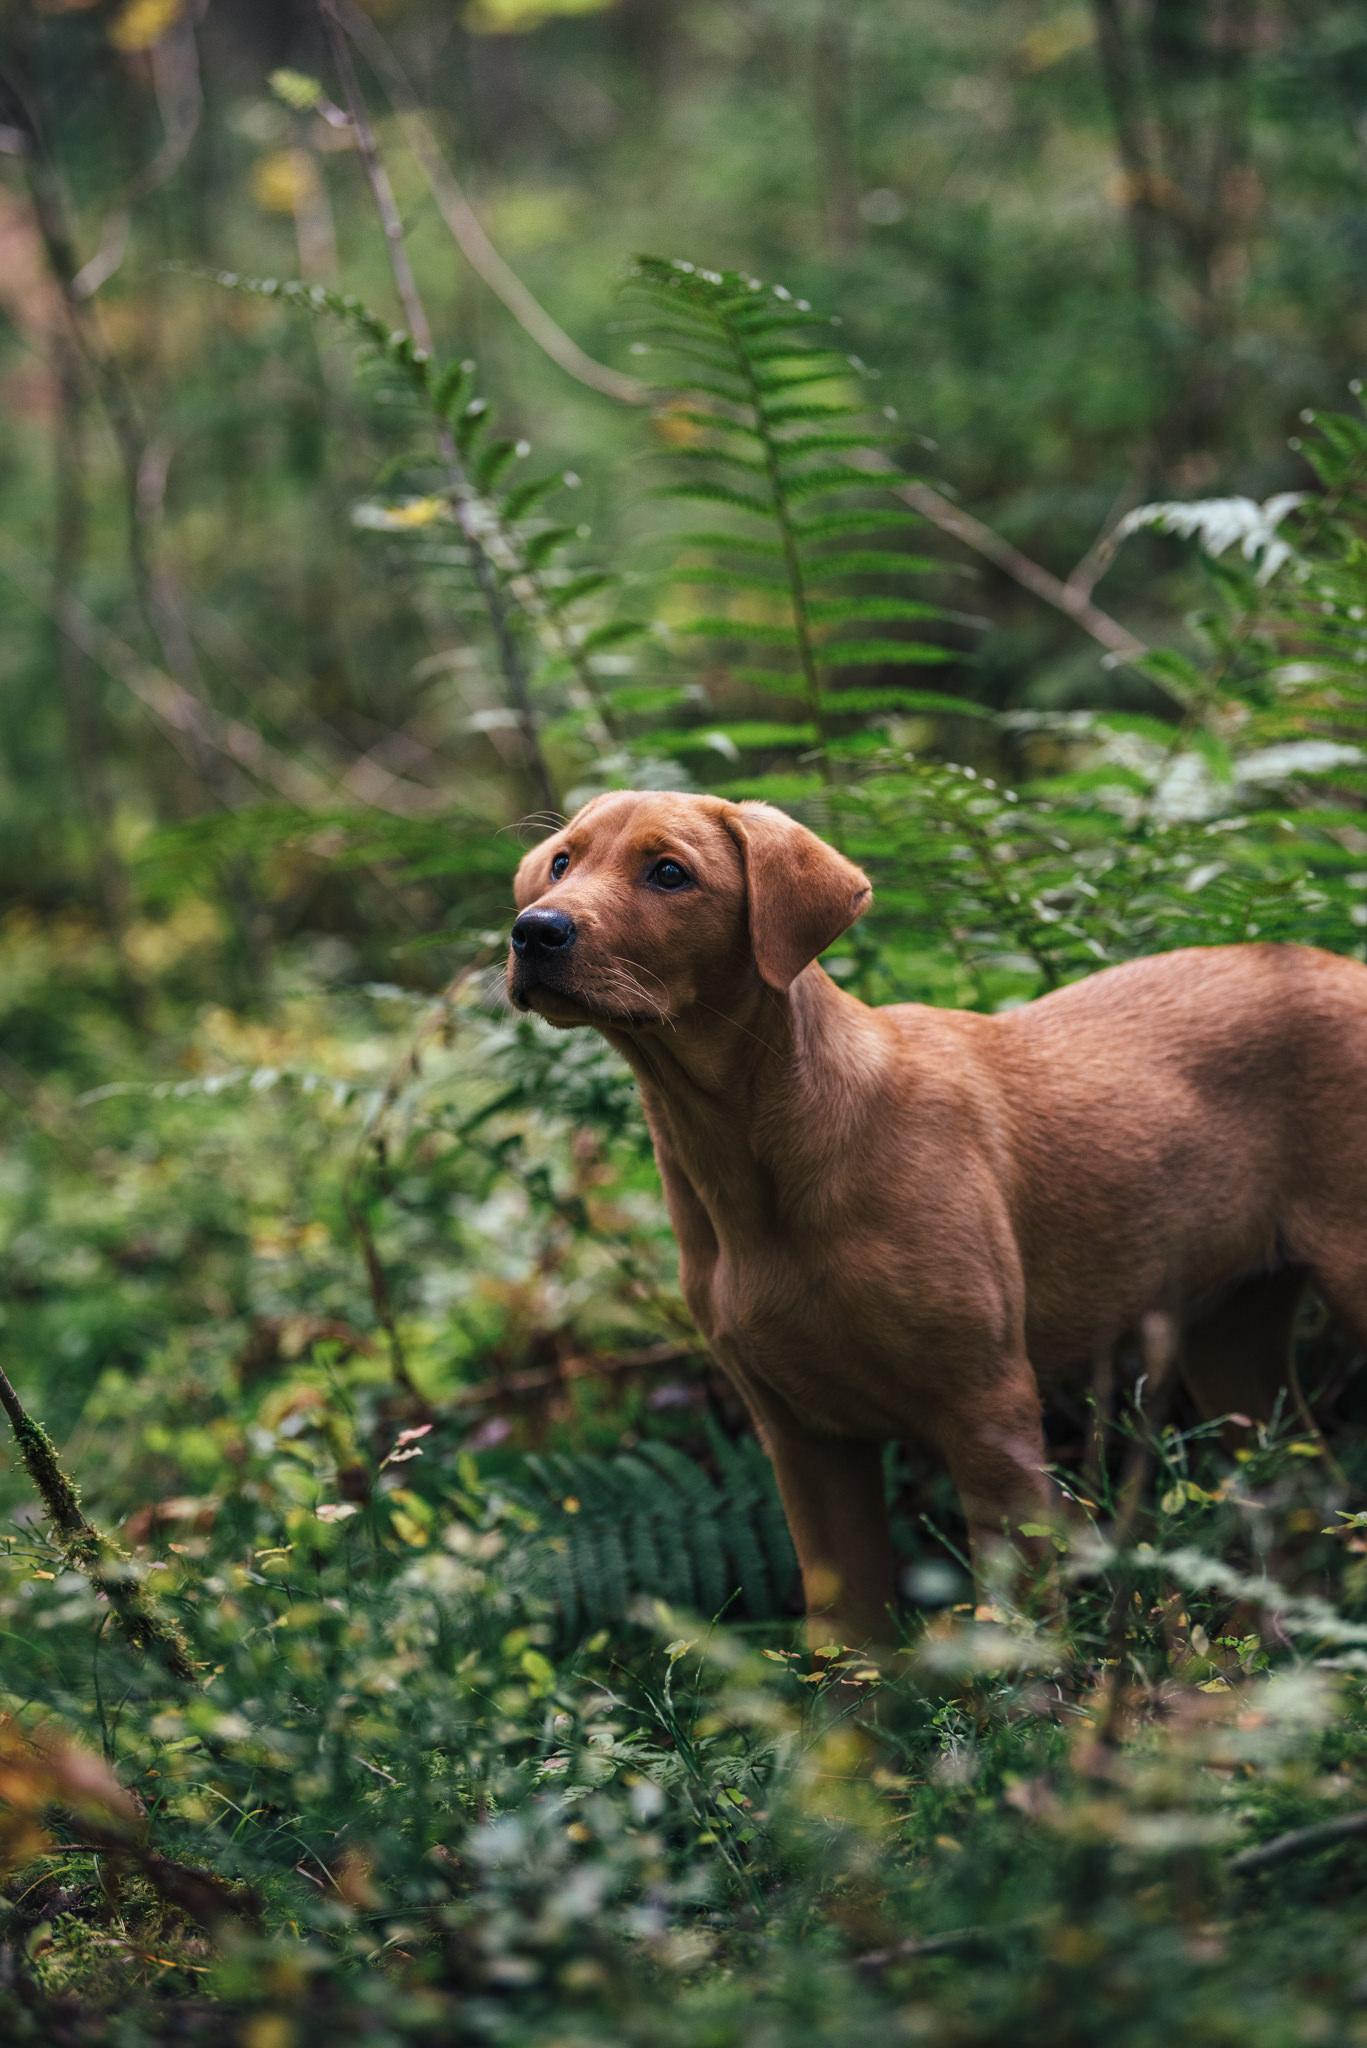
550 620
651 1523
771 439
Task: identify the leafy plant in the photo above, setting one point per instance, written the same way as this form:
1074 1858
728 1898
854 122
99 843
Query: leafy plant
764 418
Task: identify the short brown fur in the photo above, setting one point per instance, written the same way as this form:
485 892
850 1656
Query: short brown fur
900 1223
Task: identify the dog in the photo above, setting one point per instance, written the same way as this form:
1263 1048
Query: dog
901 1223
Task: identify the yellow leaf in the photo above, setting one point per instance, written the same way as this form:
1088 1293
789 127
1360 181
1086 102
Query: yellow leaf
538 1668
142 24
283 180
516 17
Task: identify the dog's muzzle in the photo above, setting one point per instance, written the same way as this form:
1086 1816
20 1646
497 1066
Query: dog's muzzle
542 940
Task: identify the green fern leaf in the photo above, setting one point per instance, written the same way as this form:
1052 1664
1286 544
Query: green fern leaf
716 494
526 497
831 611
871 562
538 550
732 579
741 629
615 633
885 653
833 525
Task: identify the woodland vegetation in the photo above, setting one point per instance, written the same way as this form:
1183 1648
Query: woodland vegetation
941 420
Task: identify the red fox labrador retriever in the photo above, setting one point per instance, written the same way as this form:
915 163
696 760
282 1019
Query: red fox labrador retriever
897 1223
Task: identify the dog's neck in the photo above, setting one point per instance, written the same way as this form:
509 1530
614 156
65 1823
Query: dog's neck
739 1101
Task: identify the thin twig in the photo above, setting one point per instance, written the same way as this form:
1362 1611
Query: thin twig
463 494
1068 598
466 230
180 97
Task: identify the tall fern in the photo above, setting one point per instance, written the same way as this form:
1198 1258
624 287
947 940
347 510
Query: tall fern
806 566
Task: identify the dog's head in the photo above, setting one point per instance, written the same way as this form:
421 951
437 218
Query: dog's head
649 902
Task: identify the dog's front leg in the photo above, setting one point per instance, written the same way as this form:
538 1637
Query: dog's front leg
832 1492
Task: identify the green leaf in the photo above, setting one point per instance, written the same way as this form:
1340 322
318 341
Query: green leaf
826 525
1176 671
813 409
747 543
716 494
830 611
814 444
494 461
524 498
739 629
537 551
452 388
716 358
906 700
562 596
750 465
871 562
732 579
769 385
614 634
813 483
884 653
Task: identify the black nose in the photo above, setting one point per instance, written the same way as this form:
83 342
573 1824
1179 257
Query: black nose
543 931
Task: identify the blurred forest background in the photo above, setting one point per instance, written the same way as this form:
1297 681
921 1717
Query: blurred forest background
365 382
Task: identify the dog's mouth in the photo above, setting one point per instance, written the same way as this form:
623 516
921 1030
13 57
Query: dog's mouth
577 1004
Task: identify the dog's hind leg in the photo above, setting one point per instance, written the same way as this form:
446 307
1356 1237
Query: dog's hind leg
992 1440
1237 1358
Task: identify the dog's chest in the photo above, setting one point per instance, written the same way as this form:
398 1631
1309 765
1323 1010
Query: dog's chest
794 1323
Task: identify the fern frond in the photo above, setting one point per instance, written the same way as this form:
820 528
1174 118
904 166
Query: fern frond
652 1522
778 351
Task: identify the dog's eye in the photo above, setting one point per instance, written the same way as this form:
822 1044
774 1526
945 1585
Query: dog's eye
559 865
667 874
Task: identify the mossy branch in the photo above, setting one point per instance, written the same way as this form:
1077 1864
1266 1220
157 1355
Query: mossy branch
110 1569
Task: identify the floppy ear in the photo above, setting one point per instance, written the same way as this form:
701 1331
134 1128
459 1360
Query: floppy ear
802 893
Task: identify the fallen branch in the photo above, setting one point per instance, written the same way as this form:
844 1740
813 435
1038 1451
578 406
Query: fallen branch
1298 1842
953 1942
110 1570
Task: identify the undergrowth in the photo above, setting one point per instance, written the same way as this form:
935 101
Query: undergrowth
358 1322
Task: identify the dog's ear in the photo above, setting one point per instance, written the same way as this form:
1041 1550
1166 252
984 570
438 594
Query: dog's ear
802 893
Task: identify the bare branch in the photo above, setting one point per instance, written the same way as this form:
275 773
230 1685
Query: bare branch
462 493
1068 597
466 230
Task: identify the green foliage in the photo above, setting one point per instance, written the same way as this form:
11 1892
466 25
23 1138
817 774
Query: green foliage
309 1274
755 451
652 1524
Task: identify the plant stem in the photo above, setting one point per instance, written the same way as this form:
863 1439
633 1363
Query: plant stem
792 560
463 494
109 1569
